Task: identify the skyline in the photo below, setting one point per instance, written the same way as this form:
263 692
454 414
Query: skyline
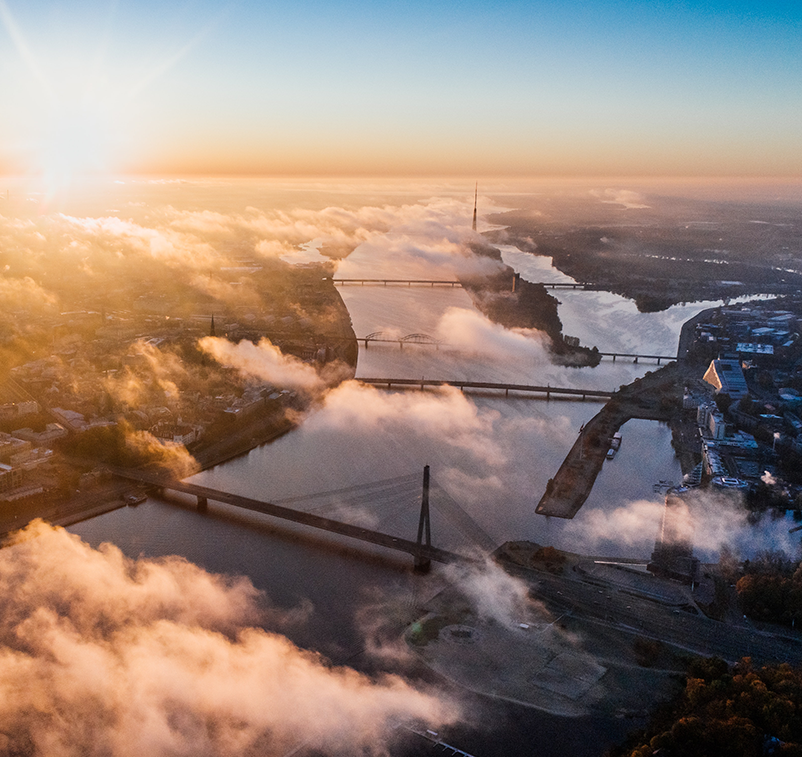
611 88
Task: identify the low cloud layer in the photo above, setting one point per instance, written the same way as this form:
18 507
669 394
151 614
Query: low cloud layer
266 362
710 519
471 331
495 595
103 655
478 451
626 197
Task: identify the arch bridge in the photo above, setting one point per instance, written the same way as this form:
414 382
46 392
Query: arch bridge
383 336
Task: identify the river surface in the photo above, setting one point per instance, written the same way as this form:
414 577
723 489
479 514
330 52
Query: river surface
490 455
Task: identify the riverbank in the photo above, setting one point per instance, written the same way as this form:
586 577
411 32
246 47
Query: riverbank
239 437
514 303
656 396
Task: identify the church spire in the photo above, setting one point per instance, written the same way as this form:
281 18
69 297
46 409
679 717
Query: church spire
211 330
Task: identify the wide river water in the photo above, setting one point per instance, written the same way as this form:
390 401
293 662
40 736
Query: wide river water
493 456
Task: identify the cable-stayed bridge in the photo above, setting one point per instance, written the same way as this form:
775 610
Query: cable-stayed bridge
386 513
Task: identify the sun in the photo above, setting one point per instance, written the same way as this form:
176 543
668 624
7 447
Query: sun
73 140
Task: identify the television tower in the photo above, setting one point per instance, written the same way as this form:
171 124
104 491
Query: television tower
475 198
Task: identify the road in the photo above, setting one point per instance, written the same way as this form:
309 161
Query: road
599 601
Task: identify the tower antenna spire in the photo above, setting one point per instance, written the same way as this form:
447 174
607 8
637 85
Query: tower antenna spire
475 198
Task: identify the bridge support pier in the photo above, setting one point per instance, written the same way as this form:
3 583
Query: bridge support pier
424 564
203 504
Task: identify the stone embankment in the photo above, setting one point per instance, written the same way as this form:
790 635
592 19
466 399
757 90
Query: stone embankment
656 396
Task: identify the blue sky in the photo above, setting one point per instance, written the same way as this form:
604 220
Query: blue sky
597 87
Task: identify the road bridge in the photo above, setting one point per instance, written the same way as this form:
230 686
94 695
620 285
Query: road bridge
425 339
636 357
422 550
548 391
574 285
398 282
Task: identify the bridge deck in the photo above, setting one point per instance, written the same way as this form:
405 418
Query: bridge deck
527 388
577 285
636 356
407 282
295 516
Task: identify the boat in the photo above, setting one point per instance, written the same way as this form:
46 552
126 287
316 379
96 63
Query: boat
615 443
134 499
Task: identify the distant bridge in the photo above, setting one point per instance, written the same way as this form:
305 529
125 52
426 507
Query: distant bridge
398 282
636 357
580 285
548 391
422 549
382 336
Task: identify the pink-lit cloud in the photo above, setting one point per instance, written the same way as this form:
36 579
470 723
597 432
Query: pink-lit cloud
103 655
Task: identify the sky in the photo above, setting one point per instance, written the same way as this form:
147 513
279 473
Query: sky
477 88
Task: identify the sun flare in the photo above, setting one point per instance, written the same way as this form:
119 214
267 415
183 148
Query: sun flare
74 141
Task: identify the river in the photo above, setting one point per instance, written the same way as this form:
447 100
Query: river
493 456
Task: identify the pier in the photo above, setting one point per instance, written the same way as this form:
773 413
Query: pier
547 391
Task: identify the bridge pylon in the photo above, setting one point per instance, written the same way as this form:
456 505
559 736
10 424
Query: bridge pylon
423 564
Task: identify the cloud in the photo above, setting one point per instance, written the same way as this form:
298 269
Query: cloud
494 594
471 331
711 519
482 457
154 379
167 454
626 197
268 363
445 414
24 293
104 655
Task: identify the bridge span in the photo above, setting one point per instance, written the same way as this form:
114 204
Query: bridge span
574 285
380 337
636 357
421 550
389 383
